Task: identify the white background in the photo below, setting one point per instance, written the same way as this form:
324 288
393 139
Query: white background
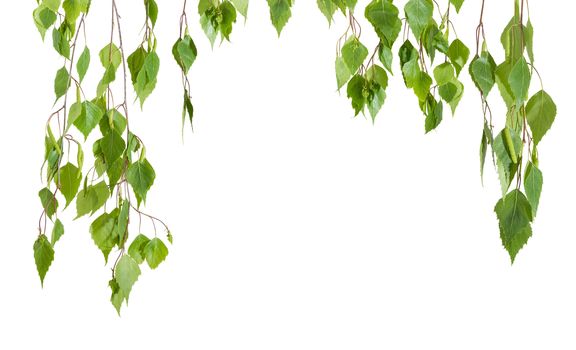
295 225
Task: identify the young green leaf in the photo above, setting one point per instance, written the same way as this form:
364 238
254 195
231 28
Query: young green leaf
151 11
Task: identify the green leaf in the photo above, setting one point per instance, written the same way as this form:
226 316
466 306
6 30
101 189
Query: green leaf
89 200
155 252
444 73
110 55
151 11
458 53
385 55
533 181
357 91
354 53
89 118
49 201
73 8
514 215
112 146
208 27
74 113
487 139
383 16
419 15
457 4
422 86
122 223
53 5
61 82
228 13
540 113
104 234
140 176
147 77
69 181
43 256
482 72
342 72
376 101
60 43
241 6
529 38
519 81
504 157
83 63
117 297
126 274
57 232
185 53
44 18
434 112
280 13
328 8
135 62
136 249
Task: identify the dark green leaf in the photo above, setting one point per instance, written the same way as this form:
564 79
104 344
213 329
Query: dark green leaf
383 16
482 72
112 146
